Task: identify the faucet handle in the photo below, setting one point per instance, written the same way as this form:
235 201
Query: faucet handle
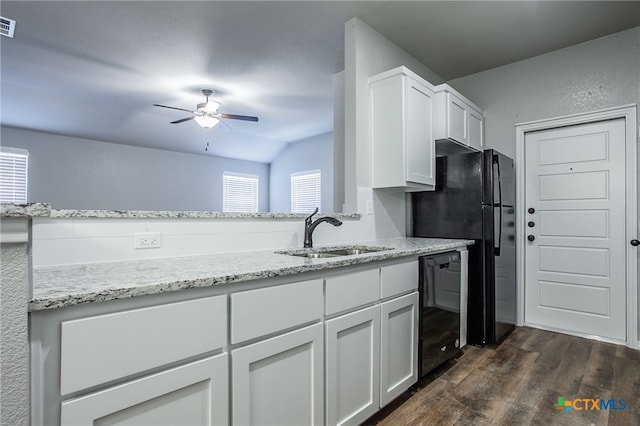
311 215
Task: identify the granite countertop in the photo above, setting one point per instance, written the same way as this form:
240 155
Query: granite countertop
25 210
45 210
68 285
154 214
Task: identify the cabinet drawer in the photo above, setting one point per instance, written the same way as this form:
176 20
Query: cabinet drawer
351 290
256 313
195 393
99 349
398 278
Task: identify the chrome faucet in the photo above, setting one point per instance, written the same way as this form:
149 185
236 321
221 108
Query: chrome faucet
309 226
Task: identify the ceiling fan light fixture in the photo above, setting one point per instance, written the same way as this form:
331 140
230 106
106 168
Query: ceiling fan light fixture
210 107
206 121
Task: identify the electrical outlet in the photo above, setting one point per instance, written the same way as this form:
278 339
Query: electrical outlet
146 240
369 207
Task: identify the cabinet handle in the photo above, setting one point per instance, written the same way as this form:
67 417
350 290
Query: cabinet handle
531 210
635 243
531 237
531 224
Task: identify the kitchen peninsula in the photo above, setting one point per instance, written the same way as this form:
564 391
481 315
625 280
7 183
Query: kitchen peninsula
225 336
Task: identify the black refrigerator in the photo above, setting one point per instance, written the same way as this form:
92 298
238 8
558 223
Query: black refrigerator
474 199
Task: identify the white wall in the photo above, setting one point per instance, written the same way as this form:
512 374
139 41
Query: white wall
338 142
73 173
368 53
315 153
595 75
63 241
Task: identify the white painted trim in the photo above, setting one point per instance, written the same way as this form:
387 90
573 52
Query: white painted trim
578 334
629 113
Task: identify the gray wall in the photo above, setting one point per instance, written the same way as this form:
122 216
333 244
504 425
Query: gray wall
14 337
598 74
594 75
308 154
72 173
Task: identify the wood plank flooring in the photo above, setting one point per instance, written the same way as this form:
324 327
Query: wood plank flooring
518 383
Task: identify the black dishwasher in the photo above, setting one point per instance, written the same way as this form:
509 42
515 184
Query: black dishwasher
440 314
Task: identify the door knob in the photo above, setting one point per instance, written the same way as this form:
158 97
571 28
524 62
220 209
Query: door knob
530 237
635 243
531 224
531 210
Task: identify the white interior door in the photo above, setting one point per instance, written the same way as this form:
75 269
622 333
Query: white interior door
575 278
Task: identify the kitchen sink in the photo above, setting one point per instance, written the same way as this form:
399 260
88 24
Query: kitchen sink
313 255
333 252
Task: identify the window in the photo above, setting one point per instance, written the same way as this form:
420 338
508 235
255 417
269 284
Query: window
305 191
239 193
13 175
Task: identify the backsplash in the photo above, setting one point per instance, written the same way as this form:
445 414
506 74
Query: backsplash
70 240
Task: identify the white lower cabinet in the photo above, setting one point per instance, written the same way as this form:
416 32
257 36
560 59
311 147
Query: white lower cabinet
371 353
191 394
353 366
279 381
398 346
330 350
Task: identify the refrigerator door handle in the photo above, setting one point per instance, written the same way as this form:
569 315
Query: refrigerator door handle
497 243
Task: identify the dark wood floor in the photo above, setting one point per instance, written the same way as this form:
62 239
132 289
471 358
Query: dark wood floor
519 382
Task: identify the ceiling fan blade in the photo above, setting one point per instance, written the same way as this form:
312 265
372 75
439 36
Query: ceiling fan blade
239 117
182 120
179 109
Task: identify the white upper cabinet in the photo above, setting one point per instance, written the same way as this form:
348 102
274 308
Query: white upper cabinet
476 130
402 139
457 118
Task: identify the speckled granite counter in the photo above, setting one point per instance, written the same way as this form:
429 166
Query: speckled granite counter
25 210
152 214
45 210
61 286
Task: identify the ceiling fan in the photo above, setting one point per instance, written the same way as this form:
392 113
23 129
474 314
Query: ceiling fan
206 114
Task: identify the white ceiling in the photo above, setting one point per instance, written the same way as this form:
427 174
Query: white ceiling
94 69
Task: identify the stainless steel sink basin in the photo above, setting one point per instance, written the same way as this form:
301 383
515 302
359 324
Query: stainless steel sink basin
333 252
313 255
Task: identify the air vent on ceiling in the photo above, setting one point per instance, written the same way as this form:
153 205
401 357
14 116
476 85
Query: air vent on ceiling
7 26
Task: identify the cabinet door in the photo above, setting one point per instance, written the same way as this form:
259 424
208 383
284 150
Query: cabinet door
419 146
398 346
279 381
192 394
353 366
476 130
457 119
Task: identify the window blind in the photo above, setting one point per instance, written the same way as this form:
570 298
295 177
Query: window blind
13 175
305 191
240 193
